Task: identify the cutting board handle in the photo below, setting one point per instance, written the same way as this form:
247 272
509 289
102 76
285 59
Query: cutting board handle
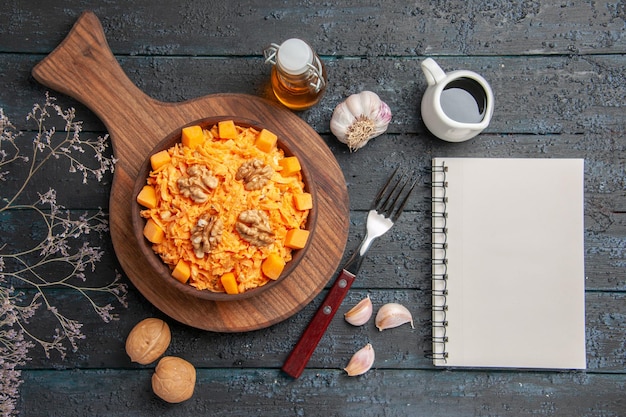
83 67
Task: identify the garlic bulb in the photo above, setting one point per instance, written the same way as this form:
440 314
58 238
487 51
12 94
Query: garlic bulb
360 313
359 118
393 315
361 361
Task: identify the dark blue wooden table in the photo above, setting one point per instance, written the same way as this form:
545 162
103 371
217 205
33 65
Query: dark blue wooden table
557 71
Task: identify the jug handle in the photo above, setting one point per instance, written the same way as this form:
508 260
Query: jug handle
432 71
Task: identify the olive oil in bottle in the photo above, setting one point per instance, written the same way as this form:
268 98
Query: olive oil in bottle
298 76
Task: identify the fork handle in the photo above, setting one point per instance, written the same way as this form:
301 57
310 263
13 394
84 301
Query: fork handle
302 351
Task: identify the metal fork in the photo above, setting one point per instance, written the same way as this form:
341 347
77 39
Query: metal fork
385 211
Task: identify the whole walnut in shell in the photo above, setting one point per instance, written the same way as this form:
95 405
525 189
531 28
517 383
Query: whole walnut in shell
148 340
174 379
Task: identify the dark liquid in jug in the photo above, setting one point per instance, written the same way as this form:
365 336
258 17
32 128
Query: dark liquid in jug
464 100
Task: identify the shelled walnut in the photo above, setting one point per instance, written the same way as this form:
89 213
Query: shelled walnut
254 227
206 234
198 183
255 174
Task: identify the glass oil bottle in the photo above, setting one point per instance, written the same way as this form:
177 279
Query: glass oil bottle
298 76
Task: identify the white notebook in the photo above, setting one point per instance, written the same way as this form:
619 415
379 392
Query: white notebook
508 263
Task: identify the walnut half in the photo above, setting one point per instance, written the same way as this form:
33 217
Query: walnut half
206 234
255 174
254 227
197 184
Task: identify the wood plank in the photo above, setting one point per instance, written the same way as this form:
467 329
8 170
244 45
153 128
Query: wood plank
237 392
390 28
399 348
604 186
533 96
71 191
403 253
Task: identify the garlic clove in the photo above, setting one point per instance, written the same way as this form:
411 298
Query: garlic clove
359 118
360 313
361 361
393 315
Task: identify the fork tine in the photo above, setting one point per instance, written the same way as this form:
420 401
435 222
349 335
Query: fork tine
392 197
400 208
393 193
378 200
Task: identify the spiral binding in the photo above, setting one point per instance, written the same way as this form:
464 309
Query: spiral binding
439 261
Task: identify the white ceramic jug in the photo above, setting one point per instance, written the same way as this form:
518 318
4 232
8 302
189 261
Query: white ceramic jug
456 106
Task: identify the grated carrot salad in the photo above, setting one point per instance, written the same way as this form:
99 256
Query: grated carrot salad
177 214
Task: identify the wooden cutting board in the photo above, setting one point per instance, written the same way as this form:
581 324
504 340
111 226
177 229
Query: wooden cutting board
84 67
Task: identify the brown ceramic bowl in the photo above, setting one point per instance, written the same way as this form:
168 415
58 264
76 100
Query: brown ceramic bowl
160 269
